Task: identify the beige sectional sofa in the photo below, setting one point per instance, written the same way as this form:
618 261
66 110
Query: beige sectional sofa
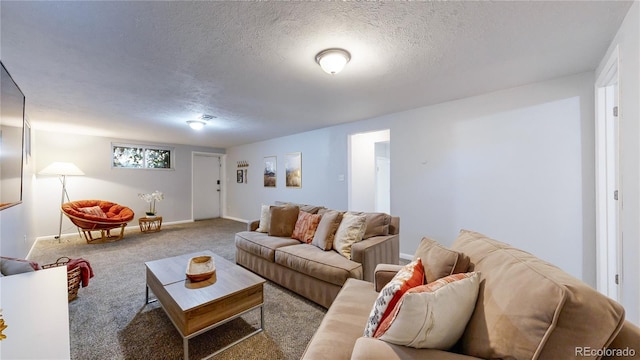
310 271
525 309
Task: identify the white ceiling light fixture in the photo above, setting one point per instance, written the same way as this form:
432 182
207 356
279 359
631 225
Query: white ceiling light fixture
332 61
200 123
196 124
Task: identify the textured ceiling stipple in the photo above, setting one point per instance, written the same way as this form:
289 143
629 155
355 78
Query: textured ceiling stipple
120 68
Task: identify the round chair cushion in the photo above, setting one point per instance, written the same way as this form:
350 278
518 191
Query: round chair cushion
113 213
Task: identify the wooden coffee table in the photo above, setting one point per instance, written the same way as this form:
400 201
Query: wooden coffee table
197 307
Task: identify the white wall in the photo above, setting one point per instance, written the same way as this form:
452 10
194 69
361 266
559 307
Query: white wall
93 155
628 41
515 164
17 228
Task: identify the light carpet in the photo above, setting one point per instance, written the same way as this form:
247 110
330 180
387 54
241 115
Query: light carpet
109 319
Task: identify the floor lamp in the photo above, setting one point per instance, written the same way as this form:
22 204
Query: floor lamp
62 169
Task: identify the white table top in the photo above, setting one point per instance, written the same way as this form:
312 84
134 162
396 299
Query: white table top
36 311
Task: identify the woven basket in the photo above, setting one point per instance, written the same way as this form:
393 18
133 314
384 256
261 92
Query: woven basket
73 276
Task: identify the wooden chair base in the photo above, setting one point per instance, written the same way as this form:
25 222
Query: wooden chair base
105 235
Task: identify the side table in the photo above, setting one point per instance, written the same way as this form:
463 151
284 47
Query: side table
150 224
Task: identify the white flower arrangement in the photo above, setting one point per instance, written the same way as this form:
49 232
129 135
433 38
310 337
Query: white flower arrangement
151 199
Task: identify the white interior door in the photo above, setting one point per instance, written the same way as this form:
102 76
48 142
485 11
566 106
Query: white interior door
383 177
206 186
613 198
609 194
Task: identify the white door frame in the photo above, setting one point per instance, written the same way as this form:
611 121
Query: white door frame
608 179
223 188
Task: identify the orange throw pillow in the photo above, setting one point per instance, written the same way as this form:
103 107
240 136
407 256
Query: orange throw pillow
410 276
306 226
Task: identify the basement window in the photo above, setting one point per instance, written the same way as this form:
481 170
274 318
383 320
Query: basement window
141 156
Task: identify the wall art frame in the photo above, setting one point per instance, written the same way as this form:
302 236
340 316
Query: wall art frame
293 170
270 171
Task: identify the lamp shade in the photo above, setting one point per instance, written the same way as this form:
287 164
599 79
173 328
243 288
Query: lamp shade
332 61
61 168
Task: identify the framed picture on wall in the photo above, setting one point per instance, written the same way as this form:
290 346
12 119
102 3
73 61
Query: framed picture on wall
293 169
270 171
239 176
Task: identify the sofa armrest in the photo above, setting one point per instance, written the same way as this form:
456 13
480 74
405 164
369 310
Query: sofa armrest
627 338
376 250
253 225
383 274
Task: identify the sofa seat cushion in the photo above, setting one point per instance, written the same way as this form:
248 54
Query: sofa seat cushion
343 323
367 348
261 244
328 266
530 309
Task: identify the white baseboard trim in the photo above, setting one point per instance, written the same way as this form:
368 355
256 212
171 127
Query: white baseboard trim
236 219
176 222
406 256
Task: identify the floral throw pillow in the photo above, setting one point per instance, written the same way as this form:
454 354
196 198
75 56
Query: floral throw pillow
411 275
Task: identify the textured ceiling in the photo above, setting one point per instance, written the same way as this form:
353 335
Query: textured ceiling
140 69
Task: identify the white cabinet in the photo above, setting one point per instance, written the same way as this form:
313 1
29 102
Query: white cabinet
36 311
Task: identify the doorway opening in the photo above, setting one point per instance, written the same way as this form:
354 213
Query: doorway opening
608 182
370 172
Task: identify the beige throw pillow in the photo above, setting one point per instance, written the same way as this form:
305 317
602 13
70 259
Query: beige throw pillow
432 316
326 230
283 220
349 232
377 225
264 219
439 261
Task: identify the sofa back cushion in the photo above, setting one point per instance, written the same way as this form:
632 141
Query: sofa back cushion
530 309
377 224
282 220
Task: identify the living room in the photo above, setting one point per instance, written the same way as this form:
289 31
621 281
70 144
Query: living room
516 163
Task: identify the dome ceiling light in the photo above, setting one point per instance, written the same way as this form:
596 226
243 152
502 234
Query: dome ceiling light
332 61
200 123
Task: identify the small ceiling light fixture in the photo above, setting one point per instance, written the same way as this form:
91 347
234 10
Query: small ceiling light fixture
332 61
199 124
196 124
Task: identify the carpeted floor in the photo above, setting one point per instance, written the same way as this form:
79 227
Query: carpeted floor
109 319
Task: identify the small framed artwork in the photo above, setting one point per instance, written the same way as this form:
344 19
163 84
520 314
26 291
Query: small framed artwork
270 171
293 169
239 176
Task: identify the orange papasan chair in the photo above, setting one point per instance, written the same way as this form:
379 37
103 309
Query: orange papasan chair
98 215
